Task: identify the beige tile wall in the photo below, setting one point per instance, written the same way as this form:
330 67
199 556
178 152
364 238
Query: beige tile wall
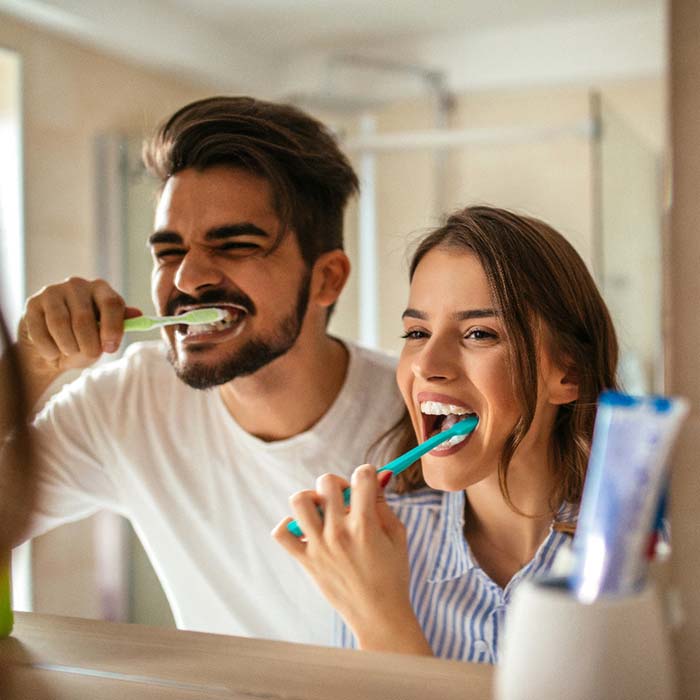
551 179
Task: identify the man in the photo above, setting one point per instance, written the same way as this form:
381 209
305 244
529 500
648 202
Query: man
249 220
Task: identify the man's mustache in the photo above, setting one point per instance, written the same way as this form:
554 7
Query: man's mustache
211 297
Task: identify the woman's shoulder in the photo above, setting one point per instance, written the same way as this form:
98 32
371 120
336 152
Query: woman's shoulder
424 497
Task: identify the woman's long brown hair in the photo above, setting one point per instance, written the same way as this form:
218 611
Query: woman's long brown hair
536 279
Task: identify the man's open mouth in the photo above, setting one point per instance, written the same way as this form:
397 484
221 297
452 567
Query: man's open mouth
232 320
438 417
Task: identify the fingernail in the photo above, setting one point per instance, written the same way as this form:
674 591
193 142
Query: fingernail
384 479
110 346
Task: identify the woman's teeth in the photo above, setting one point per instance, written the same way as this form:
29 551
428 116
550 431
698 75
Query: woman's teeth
454 440
435 408
452 414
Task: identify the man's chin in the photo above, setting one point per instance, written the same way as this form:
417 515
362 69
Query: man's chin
200 376
206 375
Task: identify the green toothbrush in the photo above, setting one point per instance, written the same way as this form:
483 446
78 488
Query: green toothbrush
146 323
396 466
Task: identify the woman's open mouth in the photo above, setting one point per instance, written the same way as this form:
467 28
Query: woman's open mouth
438 417
228 327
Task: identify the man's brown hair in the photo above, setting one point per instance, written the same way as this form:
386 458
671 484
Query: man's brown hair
310 177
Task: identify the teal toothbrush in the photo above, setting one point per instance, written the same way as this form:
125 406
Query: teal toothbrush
145 323
396 466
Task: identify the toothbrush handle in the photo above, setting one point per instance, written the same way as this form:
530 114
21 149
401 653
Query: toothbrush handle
140 323
396 466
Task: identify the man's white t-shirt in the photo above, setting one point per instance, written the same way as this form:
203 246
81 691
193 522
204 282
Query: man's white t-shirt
201 493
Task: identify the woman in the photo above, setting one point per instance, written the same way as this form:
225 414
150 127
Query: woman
503 321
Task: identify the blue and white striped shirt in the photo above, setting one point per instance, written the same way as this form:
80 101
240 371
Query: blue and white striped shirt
460 609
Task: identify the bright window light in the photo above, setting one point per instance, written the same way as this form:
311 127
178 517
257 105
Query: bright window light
12 282
12 279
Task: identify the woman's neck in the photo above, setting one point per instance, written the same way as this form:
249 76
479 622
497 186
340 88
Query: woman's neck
502 539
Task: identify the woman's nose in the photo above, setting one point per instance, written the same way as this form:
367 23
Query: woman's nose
196 272
437 361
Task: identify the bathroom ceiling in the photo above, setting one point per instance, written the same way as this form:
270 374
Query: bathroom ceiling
295 24
246 43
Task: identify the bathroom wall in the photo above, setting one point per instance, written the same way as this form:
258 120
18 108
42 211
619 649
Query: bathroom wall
682 331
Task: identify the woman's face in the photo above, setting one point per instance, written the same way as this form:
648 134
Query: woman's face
455 362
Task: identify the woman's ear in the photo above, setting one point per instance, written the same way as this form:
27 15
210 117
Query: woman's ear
563 384
330 273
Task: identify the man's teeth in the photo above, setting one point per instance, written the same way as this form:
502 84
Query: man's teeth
226 322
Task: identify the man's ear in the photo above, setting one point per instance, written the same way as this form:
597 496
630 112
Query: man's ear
563 384
330 273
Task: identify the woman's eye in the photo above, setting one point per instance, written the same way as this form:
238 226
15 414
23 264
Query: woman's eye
480 334
414 335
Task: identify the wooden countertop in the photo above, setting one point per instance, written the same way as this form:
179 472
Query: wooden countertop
65 658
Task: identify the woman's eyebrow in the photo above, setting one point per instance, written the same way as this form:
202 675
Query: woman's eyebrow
414 313
458 316
474 313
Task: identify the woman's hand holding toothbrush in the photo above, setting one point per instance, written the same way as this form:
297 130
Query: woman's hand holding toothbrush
358 558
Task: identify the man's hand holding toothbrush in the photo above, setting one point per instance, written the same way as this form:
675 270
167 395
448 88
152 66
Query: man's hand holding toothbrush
68 326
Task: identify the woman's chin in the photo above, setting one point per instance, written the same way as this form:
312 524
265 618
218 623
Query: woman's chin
440 481
442 475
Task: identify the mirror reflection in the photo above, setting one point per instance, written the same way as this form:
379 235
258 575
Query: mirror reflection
557 115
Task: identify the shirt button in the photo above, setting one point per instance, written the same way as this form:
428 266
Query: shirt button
480 645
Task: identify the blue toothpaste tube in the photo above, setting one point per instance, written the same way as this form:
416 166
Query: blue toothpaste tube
627 473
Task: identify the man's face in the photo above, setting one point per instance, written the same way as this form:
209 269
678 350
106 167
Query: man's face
215 231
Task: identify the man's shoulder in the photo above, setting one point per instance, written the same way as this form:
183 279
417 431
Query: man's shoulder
143 365
137 379
372 359
148 352
142 358
373 373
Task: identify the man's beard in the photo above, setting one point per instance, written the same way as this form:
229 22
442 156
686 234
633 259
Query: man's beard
255 354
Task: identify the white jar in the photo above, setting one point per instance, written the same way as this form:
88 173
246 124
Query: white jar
557 648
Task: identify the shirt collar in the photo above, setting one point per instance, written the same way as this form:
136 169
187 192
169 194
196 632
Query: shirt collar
453 557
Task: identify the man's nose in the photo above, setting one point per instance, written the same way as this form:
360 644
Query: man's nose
438 360
196 272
